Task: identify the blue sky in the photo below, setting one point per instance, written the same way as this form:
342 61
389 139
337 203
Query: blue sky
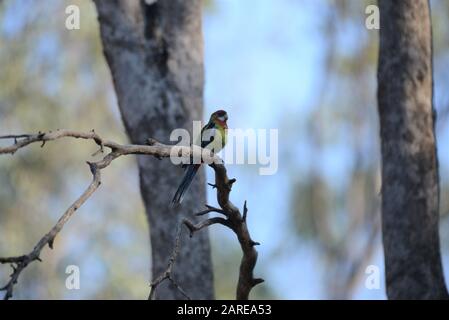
264 64
264 61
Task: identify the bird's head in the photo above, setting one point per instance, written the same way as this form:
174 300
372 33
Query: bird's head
219 118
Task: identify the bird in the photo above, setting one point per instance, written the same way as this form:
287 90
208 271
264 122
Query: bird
213 137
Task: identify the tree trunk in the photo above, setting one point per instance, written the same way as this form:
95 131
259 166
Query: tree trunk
155 53
410 183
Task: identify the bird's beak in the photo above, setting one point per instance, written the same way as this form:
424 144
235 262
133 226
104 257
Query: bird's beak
226 117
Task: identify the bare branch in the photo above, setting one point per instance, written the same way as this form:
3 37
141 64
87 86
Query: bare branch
153 148
212 185
234 220
239 226
237 223
245 211
12 259
168 272
206 223
20 263
209 210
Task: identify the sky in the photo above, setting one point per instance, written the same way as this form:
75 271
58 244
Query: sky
264 63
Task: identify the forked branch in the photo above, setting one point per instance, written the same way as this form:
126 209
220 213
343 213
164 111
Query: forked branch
21 262
234 220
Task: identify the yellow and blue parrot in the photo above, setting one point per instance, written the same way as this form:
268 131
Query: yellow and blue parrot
213 137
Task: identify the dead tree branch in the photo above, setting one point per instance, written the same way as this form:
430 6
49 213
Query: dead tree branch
153 148
20 263
234 221
167 275
237 223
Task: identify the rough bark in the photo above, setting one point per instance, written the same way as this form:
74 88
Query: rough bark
155 54
410 183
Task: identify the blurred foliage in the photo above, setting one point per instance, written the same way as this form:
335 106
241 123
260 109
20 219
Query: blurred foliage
338 211
55 78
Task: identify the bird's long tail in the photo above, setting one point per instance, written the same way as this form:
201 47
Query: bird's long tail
185 183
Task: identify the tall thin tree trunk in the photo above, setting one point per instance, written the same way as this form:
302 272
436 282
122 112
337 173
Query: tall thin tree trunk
410 183
155 53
